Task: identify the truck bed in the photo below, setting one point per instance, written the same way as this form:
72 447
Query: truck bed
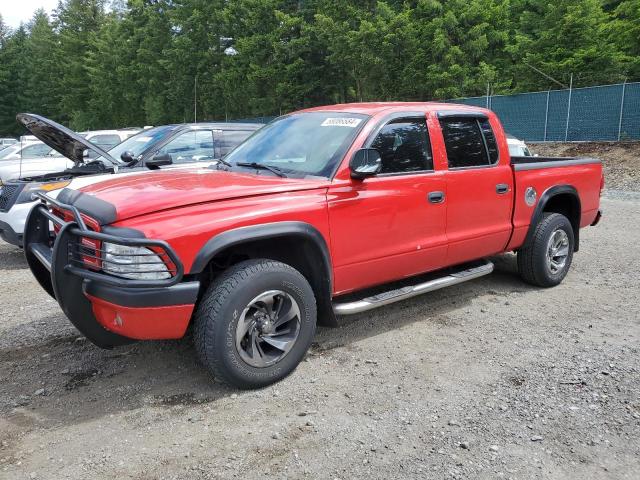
579 175
534 163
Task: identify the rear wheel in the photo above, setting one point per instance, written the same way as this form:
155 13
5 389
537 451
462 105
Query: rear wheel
546 261
255 323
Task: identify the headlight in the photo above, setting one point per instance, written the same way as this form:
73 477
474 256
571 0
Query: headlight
26 195
136 263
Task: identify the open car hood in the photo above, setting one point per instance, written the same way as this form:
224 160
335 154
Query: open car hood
60 138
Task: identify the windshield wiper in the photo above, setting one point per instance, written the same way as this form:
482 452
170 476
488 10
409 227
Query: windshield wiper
258 166
224 162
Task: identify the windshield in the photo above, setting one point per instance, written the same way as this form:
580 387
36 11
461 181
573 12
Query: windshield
138 144
9 151
308 143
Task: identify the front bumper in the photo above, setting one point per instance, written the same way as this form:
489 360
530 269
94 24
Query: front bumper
108 310
12 222
9 235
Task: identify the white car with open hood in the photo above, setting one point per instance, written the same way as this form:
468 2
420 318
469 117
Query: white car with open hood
168 146
37 158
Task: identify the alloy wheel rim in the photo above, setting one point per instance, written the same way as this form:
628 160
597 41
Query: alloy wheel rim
557 251
268 328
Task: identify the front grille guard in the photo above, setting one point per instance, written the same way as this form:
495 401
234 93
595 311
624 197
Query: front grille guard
79 267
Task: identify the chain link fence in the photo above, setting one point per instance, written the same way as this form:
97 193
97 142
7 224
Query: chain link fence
606 112
601 113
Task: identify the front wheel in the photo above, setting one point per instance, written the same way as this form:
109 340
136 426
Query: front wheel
546 261
255 323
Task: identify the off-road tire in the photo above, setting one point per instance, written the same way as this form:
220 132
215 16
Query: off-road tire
218 313
532 259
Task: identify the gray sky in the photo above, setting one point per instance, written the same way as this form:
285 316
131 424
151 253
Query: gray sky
16 11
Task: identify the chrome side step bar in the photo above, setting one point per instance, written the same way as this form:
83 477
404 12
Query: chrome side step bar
392 296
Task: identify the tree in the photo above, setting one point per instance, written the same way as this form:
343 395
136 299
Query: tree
562 39
12 76
40 86
76 21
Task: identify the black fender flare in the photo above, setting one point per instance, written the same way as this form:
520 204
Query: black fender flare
547 195
271 231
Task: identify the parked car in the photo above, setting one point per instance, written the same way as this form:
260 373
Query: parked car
298 225
24 150
170 146
5 142
39 159
517 148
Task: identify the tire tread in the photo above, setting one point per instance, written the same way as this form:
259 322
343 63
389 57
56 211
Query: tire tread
530 256
209 312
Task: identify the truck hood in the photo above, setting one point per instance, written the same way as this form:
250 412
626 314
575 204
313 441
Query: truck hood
64 141
149 192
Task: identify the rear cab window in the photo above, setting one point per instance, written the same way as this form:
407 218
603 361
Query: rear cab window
469 141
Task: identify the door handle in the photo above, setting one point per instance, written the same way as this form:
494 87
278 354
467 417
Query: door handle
436 197
502 188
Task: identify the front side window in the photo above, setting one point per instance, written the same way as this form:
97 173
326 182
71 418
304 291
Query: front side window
191 146
302 144
404 146
139 143
464 142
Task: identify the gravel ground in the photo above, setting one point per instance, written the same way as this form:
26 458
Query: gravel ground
488 379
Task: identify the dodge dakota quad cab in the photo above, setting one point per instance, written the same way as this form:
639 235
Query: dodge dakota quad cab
167 146
323 212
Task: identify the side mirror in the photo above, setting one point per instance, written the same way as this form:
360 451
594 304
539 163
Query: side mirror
366 162
158 161
128 158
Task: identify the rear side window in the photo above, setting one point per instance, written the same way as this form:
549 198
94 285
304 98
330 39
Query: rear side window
470 142
490 140
404 146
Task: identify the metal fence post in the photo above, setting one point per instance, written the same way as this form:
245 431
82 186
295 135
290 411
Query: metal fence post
546 117
624 85
566 130
488 85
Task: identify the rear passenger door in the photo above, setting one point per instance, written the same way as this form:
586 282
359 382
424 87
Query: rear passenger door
479 188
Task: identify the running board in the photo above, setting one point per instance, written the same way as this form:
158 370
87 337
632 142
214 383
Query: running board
392 296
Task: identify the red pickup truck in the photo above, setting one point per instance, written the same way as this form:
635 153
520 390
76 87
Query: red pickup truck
324 212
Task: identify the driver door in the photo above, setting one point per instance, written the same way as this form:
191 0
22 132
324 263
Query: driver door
392 225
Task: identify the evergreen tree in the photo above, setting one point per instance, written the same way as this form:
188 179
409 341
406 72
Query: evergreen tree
112 63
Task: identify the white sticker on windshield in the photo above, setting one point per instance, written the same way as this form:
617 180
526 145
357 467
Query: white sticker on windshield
341 122
144 139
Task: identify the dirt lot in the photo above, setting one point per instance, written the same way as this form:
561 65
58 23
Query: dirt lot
489 379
